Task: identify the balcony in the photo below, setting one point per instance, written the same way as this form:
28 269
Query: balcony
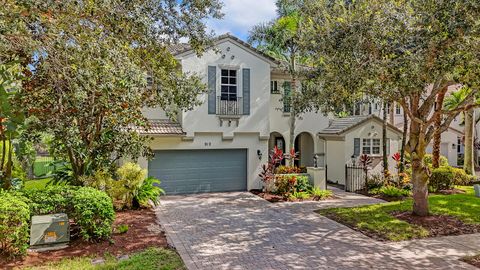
232 106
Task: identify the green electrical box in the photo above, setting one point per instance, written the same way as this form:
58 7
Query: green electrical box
49 230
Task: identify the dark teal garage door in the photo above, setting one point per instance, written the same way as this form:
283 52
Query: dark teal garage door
198 171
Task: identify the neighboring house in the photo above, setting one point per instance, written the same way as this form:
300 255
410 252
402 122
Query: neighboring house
348 138
452 145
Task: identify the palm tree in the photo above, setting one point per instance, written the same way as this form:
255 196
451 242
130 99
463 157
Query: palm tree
453 101
437 136
279 38
386 107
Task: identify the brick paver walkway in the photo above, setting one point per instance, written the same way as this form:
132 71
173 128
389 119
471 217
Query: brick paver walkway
243 231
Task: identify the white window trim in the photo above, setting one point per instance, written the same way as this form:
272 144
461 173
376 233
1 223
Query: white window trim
239 79
370 146
398 109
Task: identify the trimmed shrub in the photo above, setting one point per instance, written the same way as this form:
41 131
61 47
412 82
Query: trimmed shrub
51 200
303 183
93 212
441 179
427 159
90 208
285 183
14 224
461 178
288 183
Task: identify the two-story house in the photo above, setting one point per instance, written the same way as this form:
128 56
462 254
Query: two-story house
222 144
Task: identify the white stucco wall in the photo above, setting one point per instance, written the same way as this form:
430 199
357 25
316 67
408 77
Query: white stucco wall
335 161
448 147
198 120
203 130
310 122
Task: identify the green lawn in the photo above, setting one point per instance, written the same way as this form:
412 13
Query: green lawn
150 259
376 219
36 183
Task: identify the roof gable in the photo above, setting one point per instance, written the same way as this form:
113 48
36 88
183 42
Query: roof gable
184 49
340 126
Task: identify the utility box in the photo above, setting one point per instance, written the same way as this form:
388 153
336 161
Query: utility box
49 230
477 190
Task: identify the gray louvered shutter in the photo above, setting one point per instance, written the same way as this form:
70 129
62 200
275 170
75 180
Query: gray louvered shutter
212 89
287 88
388 146
246 90
356 147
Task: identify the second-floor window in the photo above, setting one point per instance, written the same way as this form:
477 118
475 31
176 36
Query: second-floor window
274 87
398 109
228 84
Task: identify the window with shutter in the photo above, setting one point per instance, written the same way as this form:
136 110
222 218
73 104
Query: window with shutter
286 96
356 147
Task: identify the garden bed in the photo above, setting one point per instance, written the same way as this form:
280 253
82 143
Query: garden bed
274 198
450 215
438 225
143 232
382 196
473 260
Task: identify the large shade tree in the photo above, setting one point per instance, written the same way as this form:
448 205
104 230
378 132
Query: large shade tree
410 51
87 64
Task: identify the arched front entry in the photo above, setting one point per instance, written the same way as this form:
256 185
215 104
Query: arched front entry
276 139
305 146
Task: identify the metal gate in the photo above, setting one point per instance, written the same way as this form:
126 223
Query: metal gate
355 178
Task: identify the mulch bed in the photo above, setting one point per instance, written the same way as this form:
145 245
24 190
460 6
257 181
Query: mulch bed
143 232
473 260
269 197
438 225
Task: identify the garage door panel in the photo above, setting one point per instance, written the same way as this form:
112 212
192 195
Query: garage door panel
196 171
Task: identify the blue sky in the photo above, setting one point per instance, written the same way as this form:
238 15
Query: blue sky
241 15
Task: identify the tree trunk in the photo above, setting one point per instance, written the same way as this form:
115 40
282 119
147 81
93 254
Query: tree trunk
293 115
401 169
417 147
437 135
391 114
7 172
468 164
384 141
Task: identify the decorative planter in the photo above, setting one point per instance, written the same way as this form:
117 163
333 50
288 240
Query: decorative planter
477 190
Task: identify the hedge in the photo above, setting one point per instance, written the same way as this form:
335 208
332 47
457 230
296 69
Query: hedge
14 224
91 209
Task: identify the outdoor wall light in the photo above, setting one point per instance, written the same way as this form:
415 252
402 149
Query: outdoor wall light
259 154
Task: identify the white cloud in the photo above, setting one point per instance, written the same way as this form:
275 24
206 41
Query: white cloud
241 15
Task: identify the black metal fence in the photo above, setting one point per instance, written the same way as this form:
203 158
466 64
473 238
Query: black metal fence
42 166
355 178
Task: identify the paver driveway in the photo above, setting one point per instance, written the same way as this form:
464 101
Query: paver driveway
242 231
